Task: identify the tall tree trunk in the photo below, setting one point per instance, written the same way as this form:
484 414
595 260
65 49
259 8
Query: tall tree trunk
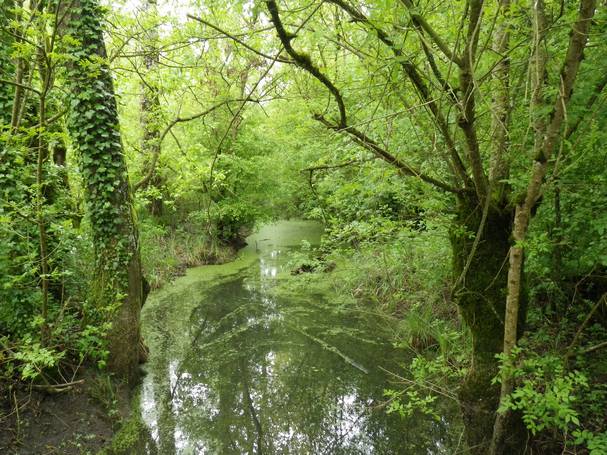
480 271
150 107
7 68
93 126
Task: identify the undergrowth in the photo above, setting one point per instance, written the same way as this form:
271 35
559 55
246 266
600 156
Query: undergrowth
167 252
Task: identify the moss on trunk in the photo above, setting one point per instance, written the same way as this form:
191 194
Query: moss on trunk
481 298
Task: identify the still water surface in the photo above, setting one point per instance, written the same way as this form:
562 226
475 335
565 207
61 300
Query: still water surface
238 368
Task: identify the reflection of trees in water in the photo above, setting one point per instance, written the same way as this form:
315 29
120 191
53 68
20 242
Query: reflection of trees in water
158 396
249 384
163 395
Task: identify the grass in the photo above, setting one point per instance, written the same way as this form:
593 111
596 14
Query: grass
167 253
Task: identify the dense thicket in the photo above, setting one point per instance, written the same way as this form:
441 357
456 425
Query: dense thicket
453 150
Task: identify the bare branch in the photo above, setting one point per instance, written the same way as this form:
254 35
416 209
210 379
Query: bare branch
23 86
304 62
580 330
336 166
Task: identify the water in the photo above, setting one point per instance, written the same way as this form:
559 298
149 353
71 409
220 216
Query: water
238 368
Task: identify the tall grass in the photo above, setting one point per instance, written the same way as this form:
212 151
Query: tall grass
408 277
166 252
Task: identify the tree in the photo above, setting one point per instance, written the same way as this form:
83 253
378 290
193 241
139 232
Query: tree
151 112
94 129
548 132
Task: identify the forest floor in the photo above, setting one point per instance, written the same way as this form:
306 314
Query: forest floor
78 421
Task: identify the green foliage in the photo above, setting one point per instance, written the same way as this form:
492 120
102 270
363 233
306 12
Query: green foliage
427 386
551 398
96 138
19 298
307 259
58 327
546 395
239 147
595 443
91 342
407 402
167 251
32 359
402 273
441 368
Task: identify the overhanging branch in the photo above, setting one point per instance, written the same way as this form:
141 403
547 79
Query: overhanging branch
237 40
365 141
304 62
416 79
419 20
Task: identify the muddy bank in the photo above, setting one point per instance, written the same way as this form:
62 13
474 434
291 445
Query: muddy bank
79 420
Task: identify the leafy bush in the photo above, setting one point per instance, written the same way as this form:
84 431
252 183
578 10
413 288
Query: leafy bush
548 397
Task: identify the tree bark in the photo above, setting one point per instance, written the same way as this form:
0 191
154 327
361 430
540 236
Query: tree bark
480 294
500 128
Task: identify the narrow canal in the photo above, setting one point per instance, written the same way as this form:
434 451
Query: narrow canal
240 364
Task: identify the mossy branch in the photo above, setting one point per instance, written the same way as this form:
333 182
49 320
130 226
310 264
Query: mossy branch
362 139
414 75
305 62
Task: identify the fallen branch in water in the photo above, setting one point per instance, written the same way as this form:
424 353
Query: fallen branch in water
333 349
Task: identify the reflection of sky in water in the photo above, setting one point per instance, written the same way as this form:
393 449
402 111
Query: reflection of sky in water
269 266
249 375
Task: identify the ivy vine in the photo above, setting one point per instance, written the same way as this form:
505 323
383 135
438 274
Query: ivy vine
93 125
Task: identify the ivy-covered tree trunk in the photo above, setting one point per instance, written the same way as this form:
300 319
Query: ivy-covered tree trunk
481 297
94 130
6 67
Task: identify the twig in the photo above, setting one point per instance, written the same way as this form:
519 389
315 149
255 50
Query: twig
595 347
23 86
578 334
57 388
239 41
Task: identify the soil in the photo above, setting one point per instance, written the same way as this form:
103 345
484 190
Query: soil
80 420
